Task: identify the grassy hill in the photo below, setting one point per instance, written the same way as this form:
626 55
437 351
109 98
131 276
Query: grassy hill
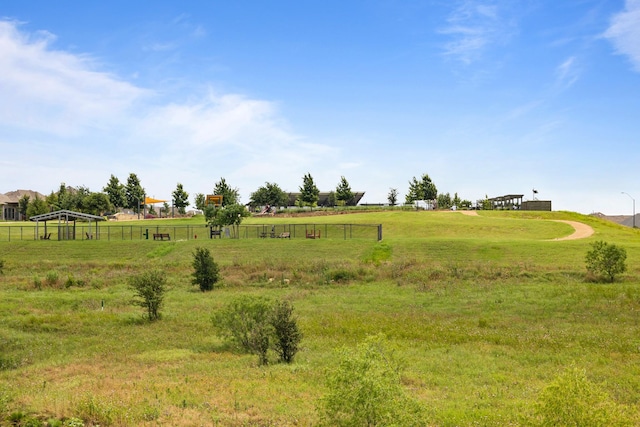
484 312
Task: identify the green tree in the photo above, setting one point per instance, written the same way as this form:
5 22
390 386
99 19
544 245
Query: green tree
444 201
424 189
134 193
199 201
392 197
270 194
37 206
180 199
116 192
23 205
331 199
230 215
344 195
308 192
366 389
206 272
230 196
606 260
96 204
287 335
149 291
457 202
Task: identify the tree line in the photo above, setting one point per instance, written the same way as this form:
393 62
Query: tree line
116 195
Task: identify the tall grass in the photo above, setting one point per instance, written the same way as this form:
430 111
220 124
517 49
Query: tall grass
485 312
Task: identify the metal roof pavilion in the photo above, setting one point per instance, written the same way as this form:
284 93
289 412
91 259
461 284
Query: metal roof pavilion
65 215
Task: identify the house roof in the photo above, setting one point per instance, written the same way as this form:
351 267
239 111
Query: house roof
15 196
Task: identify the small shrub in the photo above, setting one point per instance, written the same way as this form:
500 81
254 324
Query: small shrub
150 289
206 272
51 279
366 390
606 260
37 282
1 266
287 335
245 323
573 400
255 324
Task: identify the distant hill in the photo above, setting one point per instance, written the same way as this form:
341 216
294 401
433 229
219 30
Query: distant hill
626 220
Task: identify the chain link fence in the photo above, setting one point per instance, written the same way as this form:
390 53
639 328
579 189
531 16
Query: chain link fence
110 232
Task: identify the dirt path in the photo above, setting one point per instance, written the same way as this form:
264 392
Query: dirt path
582 231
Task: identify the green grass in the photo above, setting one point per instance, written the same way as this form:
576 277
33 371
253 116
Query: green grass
484 311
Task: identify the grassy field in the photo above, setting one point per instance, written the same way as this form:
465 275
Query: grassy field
484 312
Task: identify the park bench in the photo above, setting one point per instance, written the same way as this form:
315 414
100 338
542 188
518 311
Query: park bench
312 235
285 235
46 237
161 236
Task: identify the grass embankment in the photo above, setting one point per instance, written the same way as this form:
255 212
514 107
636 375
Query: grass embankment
484 311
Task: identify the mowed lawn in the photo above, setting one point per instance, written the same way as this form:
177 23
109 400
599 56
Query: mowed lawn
483 312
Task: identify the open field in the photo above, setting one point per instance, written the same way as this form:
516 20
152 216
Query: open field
484 311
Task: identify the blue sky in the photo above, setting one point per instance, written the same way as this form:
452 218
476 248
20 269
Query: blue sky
487 97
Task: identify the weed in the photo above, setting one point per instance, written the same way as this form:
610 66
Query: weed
51 278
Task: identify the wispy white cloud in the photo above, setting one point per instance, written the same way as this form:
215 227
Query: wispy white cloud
624 32
567 73
102 124
473 27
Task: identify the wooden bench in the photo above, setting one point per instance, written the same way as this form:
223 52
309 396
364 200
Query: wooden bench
161 236
285 235
46 237
311 235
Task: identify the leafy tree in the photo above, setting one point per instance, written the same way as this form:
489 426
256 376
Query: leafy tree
308 192
344 195
199 201
606 260
456 200
205 270
134 192
444 201
180 199
287 335
149 291
366 389
331 199
392 197
424 189
270 194
230 215
96 204
37 207
116 192
23 205
230 196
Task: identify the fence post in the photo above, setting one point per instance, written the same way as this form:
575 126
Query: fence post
379 232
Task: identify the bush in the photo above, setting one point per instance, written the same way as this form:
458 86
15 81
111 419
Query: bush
150 288
606 260
287 335
1 266
573 400
206 271
245 322
256 324
366 390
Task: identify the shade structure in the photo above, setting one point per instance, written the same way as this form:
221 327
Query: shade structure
151 201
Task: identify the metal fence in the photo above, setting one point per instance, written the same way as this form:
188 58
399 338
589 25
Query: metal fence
189 232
